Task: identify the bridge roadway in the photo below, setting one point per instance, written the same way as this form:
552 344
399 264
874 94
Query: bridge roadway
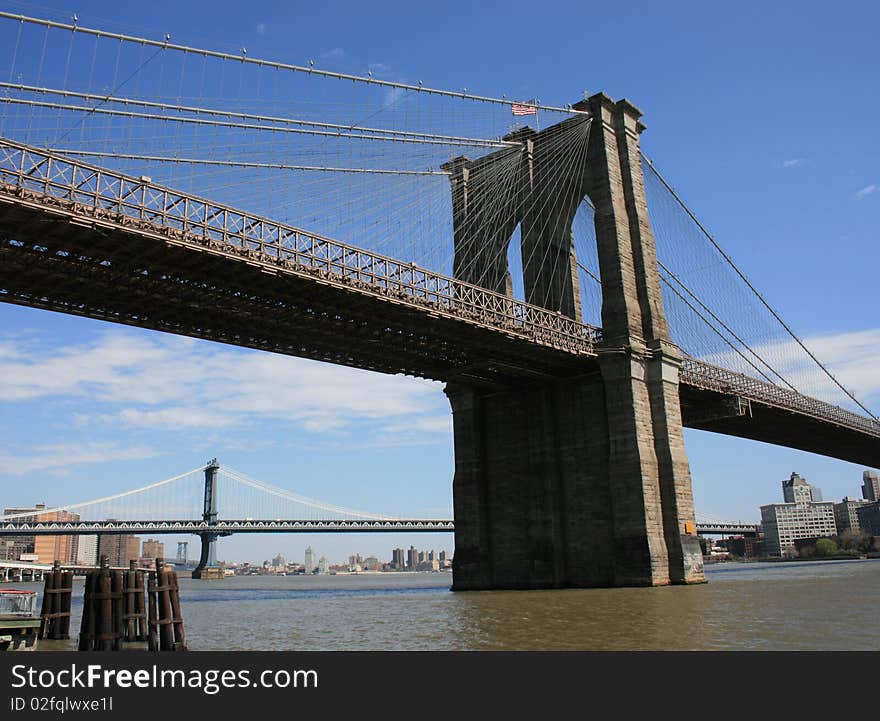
79 239
225 527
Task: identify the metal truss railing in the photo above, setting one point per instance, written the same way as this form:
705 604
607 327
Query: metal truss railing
704 375
727 528
85 190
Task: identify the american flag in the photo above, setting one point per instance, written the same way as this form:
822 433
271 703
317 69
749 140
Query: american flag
525 108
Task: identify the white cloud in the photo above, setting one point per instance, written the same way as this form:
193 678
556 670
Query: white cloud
261 28
866 191
173 418
792 163
61 456
167 382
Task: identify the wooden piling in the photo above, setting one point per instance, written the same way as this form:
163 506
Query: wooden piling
166 622
103 610
55 609
153 619
104 599
118 599
46 608
134 619
87 625
179 634
166 615
66 599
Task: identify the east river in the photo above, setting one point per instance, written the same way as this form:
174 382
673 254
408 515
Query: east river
831 605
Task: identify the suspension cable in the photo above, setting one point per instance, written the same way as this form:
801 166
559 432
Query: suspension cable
238 163
105 499
311 70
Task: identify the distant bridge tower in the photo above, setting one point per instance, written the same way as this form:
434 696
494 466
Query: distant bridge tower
575 481
209 515
182 551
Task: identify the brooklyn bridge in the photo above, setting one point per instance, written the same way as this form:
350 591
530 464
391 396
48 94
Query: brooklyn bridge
577 310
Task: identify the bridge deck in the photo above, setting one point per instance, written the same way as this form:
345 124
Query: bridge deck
273 526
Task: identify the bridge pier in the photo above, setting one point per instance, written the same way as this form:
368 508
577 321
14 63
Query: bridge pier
583 481
208 556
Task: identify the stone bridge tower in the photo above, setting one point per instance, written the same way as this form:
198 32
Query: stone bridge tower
575 481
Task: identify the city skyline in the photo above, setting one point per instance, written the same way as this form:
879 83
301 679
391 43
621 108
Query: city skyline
88 408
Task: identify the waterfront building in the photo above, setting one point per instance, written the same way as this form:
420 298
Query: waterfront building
742 546
323 566
869 518
87 550
398 560
785 523
871 486
119 549
12 547
803 516
310 560
412 558
845 514
153 549
47 548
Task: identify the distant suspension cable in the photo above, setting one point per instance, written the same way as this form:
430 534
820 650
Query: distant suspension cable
290 496
105 499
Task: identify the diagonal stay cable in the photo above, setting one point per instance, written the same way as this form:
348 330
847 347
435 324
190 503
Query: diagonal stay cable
754 289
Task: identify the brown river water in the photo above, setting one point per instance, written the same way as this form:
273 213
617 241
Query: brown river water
831 605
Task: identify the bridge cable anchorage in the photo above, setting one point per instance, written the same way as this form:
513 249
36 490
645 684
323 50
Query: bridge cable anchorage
754 290
105 499
309 70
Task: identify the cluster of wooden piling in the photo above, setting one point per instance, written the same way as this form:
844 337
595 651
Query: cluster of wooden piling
165 622
103 624
115 608
55 611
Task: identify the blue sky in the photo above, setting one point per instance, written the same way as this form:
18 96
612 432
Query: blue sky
761 114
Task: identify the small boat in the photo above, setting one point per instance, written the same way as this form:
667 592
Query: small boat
19 622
